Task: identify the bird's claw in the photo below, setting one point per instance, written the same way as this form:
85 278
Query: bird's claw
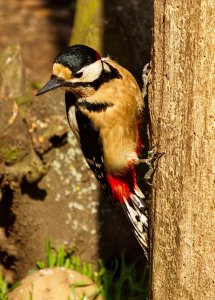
151 162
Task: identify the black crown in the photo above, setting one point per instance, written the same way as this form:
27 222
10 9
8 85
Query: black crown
76 57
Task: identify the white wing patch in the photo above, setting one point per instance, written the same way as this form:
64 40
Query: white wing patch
73 123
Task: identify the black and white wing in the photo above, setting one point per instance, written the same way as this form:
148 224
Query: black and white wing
88 139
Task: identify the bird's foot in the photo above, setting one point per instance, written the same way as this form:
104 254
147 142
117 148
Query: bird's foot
151 162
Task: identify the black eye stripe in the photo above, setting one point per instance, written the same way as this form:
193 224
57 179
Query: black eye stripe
78 75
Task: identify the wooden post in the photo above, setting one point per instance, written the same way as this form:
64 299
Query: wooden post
182 110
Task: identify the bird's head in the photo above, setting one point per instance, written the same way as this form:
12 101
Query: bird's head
74 67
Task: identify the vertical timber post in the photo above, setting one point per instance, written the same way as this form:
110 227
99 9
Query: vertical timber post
182 112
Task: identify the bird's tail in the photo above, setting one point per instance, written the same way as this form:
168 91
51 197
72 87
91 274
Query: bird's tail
137 213
125 190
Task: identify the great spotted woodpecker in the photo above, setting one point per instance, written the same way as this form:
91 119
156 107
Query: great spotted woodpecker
104 109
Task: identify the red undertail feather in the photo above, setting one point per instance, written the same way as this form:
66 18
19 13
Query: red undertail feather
122 186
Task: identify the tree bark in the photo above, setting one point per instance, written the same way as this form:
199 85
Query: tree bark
181 105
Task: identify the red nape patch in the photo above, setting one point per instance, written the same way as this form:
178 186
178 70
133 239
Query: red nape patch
122 186
97 56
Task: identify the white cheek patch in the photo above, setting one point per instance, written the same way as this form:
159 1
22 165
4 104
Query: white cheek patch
90 73
105 65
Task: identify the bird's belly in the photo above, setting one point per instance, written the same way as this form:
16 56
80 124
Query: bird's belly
119 150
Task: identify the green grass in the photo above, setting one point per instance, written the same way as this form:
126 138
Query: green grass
120 281
3 287
62 258
124 281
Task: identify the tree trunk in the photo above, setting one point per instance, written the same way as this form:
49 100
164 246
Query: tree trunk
182 125
88 24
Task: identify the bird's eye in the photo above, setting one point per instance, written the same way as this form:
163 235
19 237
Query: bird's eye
78 75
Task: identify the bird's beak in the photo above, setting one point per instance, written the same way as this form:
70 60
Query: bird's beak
52 84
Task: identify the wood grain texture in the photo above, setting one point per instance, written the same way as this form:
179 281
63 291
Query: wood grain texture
182 110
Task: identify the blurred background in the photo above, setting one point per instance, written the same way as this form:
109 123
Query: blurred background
47 190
